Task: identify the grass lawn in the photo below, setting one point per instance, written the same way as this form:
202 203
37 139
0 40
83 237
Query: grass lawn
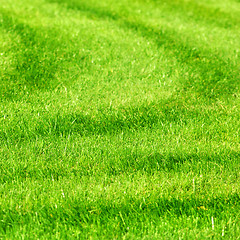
119 119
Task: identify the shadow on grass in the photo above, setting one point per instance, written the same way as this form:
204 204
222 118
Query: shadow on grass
134 162
209 74
48 165
38 56
106 121
115 215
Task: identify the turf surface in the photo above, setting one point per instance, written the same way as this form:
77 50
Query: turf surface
119 119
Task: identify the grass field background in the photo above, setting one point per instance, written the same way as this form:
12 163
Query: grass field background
119 119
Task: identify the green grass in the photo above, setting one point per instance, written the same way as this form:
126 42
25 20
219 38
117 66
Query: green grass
119 119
